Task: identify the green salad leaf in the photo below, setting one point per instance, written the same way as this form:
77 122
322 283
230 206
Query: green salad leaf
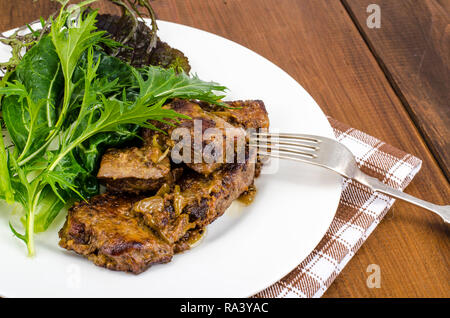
64 104
155 83
6 190
47 210
30 96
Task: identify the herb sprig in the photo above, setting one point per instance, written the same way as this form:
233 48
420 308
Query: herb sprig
103 101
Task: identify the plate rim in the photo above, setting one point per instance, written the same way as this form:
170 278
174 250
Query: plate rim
318 108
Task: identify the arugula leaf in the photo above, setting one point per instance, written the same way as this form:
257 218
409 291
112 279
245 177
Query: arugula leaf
6 190
47 209
112 76
36 128
70 179
157 83
70 43
39 71
30 97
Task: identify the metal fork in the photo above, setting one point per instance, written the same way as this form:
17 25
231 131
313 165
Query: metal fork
330 154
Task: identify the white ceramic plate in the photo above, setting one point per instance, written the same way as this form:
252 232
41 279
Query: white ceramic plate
247 249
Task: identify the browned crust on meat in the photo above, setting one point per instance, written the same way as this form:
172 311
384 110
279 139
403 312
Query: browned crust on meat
138 170
140 185
209 197
207 120
106 232
112 232
129 232
245 113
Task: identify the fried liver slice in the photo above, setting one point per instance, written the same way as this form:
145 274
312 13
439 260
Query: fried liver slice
107 232
145 169
138 170
196 115
249 114
196 201
129 233
207 198
134 169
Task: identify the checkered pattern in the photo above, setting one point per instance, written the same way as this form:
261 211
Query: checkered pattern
358 214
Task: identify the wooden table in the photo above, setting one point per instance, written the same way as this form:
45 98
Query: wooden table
391 82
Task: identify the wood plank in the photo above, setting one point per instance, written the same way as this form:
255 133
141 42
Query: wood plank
413 48
318 44
332 62
17 13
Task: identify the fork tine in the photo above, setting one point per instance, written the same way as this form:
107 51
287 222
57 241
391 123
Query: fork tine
287 157
283 143
297 145
287 136
283 150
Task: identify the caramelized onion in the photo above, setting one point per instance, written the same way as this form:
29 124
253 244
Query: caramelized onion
248 196
196 239
165 188
178 201
150 205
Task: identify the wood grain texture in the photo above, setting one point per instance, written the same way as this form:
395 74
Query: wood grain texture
14 14
318 44
413 48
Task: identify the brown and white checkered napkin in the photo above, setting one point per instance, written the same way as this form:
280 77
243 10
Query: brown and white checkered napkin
358 214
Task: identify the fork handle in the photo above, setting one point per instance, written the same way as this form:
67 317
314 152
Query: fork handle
442 210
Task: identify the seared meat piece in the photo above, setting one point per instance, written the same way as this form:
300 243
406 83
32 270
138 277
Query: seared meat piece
136 186
131 233
207 198
251 114
247 114
143 163
197 201
189 240
136 169
127 234
144 169
197 115
106 232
